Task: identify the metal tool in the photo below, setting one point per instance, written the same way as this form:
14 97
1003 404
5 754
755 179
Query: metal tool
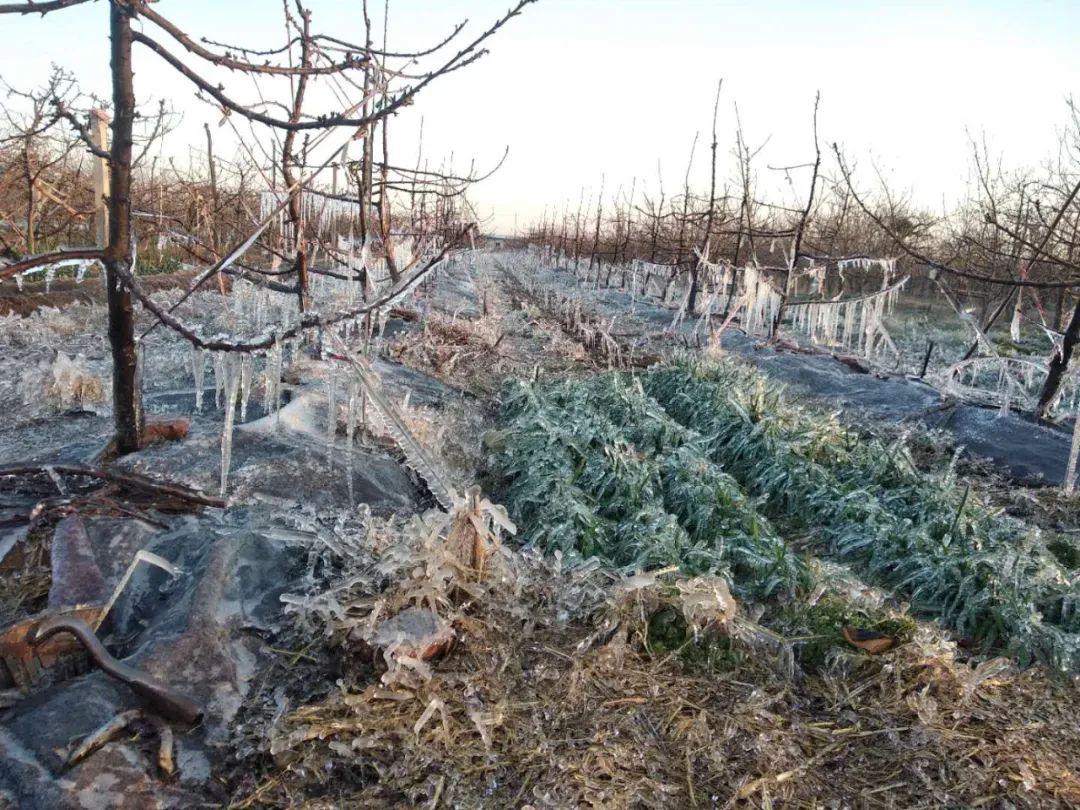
164 700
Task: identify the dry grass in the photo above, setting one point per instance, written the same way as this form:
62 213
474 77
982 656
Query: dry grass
26 575
551 698
558 694
457 349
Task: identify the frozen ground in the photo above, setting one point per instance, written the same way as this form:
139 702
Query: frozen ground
203 630
206 630
1028 451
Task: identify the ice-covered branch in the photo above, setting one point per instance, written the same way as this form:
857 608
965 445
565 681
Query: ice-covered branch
308 320
42 259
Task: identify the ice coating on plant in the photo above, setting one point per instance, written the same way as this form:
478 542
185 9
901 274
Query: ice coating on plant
1074 455
247 372
198 372
352 414
331 408
219 377
231 384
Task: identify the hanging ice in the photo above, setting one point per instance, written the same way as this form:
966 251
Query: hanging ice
350 419
198 371
219 377
331 407
231 383
247 370
1074 454
275 376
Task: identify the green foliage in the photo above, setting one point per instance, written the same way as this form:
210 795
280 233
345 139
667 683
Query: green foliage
980 572
597 468
668 632
693 464
817 629
157 263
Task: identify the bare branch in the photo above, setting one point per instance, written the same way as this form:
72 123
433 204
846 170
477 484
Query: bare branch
31 7
309 320
932 263
349 63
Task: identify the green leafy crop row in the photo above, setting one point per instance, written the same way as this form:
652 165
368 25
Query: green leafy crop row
927 536
694 464
597 468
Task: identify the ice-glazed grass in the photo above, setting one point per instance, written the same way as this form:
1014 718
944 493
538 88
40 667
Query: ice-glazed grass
915 323
707 466
927 536
596 468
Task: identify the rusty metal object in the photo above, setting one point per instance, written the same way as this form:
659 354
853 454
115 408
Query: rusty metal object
164 700
23 664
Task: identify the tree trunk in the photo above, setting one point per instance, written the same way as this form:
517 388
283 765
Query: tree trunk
1059 364
127 396
596 233
691 303
386 223
288 160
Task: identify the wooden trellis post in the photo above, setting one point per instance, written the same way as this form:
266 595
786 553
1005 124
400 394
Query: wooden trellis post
99 134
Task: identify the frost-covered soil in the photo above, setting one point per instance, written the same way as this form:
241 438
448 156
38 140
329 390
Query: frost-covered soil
200 630
1032 452
550 696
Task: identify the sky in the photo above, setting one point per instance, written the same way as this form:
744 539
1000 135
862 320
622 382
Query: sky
617 89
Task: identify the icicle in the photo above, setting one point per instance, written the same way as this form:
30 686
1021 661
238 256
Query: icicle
198 371
350 419
1014 325
275 376
231 383
219 377
331 408
268 381
262 304
1074 453
247 369
238 297
50 274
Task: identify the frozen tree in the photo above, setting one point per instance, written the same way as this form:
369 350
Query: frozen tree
384 86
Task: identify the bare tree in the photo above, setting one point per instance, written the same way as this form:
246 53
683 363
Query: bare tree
319 55
34 148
